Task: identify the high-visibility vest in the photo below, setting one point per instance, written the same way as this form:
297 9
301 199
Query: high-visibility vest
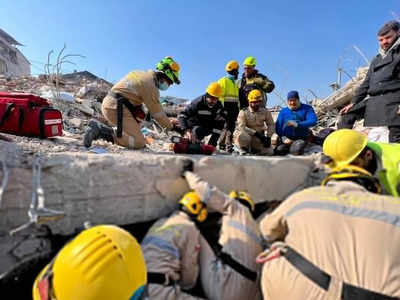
230 90
389 176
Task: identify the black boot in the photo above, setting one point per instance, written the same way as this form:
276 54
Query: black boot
95 131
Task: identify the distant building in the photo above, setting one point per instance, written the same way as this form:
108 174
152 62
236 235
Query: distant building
12 61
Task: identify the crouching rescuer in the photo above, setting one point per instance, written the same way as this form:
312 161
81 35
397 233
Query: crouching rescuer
337 241
204 116
123 105
249 135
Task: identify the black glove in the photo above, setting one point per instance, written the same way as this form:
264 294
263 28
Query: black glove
265 140
187 166
178 129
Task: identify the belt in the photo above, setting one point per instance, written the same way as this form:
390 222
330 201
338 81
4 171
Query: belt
226 258
322 279
159 278
122 101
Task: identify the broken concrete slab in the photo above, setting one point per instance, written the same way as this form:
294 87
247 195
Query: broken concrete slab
136 186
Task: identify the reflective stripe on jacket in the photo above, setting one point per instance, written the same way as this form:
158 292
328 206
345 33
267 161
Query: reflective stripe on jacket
230 90
351 234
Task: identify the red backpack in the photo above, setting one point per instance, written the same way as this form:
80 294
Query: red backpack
28 115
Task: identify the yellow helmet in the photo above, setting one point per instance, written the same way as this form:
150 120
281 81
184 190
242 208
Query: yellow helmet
255 95
244 198
102 262
343 146
356 174
232 65
170 68
214 89
191 204
250 61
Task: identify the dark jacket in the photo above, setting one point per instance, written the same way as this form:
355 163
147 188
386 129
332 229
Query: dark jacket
305 118
382 83
255 81
198 113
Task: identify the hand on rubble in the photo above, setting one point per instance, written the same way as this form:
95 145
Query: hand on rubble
346 109
187 166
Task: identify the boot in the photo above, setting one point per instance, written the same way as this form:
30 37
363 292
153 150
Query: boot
96 131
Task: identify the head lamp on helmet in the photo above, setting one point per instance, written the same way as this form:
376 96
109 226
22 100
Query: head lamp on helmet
190 203
170 68
244 198
355 174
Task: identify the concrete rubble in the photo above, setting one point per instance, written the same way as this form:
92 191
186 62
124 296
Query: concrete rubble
125 188
148 185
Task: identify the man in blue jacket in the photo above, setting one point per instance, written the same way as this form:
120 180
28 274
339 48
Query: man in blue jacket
293 126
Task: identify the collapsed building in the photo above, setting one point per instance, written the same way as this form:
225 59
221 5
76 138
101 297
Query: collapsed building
53 188
12 61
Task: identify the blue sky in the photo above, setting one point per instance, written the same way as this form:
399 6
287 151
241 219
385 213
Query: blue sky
298 44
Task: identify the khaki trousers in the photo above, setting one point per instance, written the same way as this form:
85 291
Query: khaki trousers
244 140
132 137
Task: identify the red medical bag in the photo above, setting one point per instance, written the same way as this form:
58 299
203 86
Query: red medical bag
28 115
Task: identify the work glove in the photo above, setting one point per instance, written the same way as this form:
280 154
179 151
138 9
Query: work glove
265 140
187 166
292 123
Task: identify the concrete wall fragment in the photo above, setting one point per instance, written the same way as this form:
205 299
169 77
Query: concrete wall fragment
136 186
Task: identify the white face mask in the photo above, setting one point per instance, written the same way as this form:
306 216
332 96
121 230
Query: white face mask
163 86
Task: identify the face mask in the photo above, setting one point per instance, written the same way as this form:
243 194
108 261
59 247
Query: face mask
163 86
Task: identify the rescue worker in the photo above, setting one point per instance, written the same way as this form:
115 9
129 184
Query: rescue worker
337 241
250 135
102 262
122 107
228 268
346 146
204 116
171 250
230 101
293 126
252 79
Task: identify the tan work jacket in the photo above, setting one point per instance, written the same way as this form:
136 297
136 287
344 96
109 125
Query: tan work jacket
252 122
172 247
349 233
139 87
239 236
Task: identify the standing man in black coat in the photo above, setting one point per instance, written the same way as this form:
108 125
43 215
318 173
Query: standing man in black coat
204 116
382 84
